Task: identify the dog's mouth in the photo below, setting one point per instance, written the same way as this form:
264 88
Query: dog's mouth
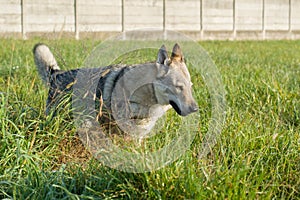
176 107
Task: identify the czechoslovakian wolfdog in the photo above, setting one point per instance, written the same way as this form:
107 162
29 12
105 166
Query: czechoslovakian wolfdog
168 85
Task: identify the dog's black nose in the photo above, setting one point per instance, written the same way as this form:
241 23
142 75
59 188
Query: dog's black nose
194 108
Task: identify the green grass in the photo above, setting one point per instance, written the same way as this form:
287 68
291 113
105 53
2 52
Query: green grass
257 155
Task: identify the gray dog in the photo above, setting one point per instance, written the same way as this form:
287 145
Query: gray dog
136 95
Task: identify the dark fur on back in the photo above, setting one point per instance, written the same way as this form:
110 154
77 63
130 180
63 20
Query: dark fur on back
61 82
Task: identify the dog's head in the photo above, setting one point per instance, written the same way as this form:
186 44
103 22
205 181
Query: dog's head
173 84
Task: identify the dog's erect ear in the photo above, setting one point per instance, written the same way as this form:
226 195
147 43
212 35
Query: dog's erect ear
177 53
162 55
162 62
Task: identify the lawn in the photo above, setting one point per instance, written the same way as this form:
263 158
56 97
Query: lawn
257 155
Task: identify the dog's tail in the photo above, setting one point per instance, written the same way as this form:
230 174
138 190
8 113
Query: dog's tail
45 61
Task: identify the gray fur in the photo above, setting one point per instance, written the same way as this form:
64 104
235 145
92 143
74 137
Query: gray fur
141 105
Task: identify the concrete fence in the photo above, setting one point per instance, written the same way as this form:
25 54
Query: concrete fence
201 19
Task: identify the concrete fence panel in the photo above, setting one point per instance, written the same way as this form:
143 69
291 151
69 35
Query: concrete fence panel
183 15
217 15
295 15
249 15
204 19
143 14
10 16
47 16
95 15
277 15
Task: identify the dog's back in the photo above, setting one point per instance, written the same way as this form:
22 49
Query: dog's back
61 82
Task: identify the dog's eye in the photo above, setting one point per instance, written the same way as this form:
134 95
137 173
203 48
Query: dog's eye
179 87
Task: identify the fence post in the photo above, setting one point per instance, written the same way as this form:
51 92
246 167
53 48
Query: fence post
76 19
201 20
123 20
263 20
23 21
290 18
164 19
234 19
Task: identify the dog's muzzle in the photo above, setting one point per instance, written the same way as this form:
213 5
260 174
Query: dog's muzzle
191 109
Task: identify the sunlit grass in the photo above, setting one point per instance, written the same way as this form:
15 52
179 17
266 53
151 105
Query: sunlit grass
257 154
